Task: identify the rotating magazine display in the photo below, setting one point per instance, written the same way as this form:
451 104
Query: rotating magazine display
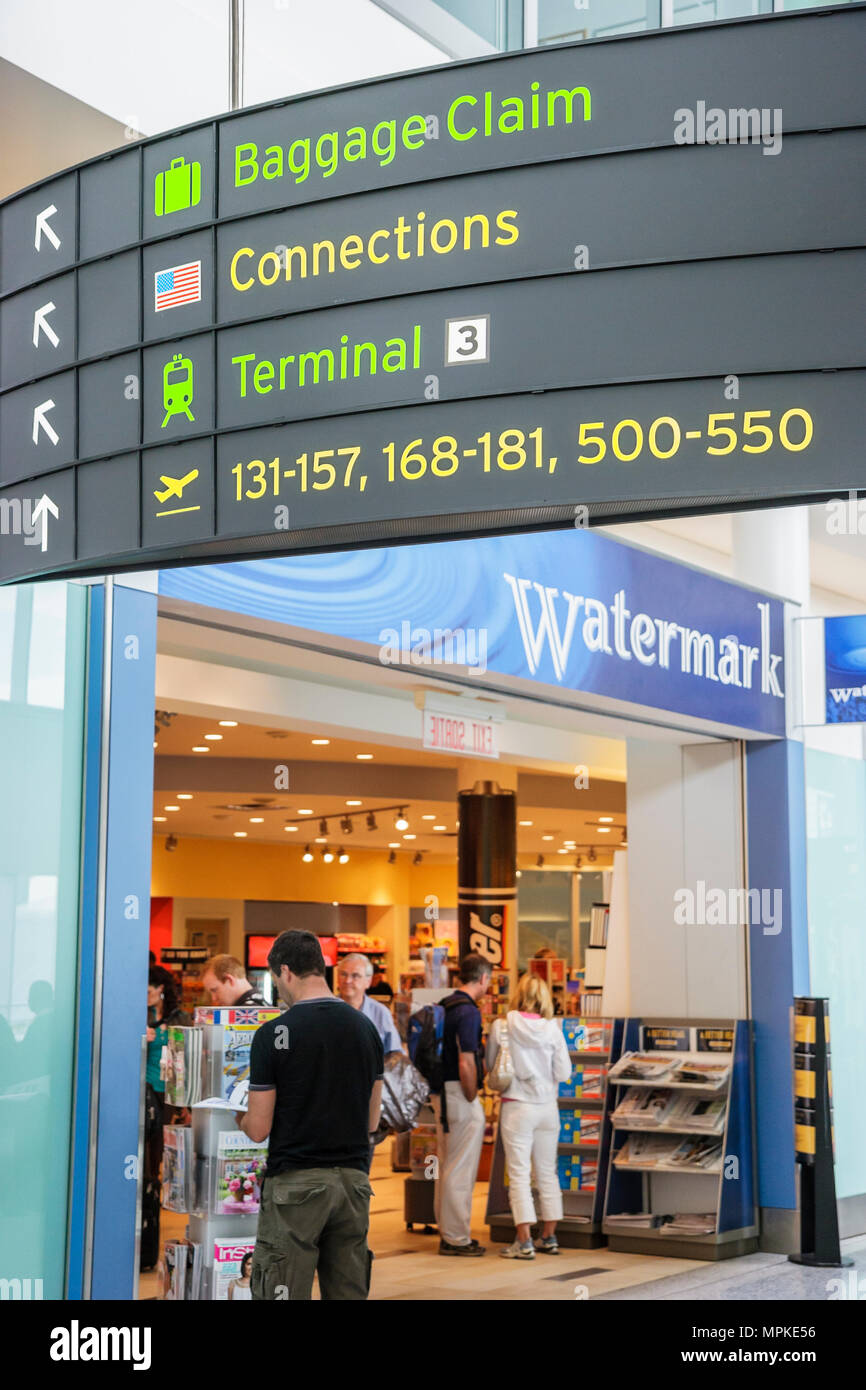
680 1176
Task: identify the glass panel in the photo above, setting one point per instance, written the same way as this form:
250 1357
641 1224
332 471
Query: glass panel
42 647
560 21
290 48
543 914
703 11
836 863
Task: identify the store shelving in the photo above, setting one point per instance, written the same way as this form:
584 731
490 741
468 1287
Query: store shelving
725 1192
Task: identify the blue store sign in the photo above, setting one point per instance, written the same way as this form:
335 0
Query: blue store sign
574 610
845 669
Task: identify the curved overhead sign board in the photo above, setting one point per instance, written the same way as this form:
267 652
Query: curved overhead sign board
585 283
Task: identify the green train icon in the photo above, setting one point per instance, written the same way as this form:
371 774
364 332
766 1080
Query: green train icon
177 388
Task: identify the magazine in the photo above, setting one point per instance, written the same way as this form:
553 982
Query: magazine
176 1167
708 1074
228 1256
701 1151
645 1151
240 1168
643 1109
642 1066
174 1269
692 1112
690 1223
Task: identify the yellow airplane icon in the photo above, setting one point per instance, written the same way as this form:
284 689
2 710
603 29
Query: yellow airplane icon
173 486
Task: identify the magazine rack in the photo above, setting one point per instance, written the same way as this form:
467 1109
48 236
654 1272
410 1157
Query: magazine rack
663 1190
593 1044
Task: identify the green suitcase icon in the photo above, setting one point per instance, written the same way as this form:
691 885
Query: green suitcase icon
177 187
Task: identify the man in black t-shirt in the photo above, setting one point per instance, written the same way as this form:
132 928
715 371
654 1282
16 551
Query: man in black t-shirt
459 1146
315 1089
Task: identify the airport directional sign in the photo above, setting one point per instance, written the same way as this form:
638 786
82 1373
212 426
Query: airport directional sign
590 282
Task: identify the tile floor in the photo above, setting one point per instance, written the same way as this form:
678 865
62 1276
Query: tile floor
407 1267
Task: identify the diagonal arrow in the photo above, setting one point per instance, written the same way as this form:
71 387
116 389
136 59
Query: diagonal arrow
40 321
39 413
40 513
42 227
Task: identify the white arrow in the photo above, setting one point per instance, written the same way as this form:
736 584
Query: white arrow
40 513
39 419
40 321
42 226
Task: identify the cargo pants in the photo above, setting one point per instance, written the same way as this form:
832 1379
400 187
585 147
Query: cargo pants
313 1220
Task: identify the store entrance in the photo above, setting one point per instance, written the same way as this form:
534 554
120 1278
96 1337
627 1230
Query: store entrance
267 821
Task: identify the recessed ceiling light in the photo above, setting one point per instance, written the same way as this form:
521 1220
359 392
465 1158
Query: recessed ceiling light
240 834
171 808
257 820
199 749
604 830
304 811
160 817
354 803
155 744
605 820
547 837
184 796
393 844
562 851
320 742
428 817
290 827
213 738
321 839
363 757
228 723
524 822
410 836
440 827
334 903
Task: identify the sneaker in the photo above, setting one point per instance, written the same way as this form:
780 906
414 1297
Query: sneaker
548 1246
516 1251
472 1249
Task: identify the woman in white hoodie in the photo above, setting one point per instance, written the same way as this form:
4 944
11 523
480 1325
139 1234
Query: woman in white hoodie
529 1114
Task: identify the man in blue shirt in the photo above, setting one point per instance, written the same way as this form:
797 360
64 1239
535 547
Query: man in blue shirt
354 974
460 1145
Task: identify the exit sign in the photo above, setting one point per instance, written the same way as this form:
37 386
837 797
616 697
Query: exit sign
447 732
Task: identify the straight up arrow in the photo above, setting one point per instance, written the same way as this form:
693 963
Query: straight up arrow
42 226
39 413
40 513
40 321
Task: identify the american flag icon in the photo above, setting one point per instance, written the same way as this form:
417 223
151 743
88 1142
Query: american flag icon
179 284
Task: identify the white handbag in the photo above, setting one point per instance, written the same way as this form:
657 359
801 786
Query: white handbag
501 1074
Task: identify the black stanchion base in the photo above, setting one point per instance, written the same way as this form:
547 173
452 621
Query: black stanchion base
842 1263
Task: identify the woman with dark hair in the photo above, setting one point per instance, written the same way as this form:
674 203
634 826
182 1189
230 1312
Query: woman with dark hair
240 1288
163 1011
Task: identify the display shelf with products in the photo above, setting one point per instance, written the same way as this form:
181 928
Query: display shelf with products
584 1139
680 1170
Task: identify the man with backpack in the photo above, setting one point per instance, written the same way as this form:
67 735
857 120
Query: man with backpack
460 1114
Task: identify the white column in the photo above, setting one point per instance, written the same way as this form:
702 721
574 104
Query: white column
771 552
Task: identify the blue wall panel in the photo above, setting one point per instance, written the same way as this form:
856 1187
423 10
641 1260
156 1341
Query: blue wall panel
779 962
127 926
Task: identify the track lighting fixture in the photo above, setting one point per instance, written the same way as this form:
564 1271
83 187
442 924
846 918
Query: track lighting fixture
346 825
371 821
592 856
392 857
323 826
416 858
539 863
578 860
171 843
328 855
401 822
343 858
308 855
